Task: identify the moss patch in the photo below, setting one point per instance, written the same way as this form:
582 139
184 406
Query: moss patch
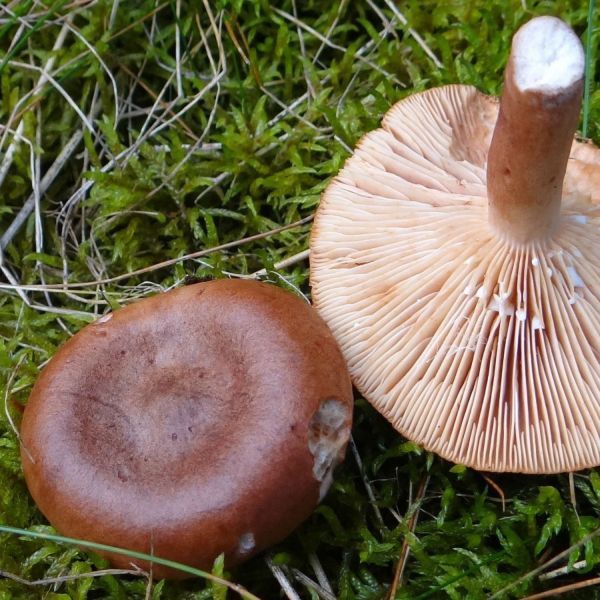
137 132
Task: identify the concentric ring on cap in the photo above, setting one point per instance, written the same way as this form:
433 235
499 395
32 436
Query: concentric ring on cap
203 420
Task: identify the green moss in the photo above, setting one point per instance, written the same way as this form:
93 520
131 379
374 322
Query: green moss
233 135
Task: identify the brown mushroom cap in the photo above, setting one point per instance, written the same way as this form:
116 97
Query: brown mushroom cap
482 348
204 420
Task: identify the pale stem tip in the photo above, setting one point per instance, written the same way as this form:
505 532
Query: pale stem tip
547 56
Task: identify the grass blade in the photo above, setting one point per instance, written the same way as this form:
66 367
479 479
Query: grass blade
132 554
587 86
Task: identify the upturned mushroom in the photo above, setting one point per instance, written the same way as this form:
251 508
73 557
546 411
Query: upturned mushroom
201 421
456 260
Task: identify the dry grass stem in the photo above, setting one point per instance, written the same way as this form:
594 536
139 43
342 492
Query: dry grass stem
66 578
46 181
367 484
160 265
313 585
331 44
7 393
535 572
317 567
580 564
415 35
283 264
565 589
284 582
10 153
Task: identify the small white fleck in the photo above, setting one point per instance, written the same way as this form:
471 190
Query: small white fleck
469 260
535 262
107 317
549 272
575 277
521 314
246 543
482 292
501 304
581 219
469 290
536 323
574 298
577 252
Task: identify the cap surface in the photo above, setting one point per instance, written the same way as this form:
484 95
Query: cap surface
204 420
479 349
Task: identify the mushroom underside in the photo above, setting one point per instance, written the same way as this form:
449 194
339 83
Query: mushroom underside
480 349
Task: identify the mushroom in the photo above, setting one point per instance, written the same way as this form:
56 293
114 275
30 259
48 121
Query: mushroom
456 260
201 421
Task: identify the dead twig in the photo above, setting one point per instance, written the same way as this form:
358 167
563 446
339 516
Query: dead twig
415 509
498 490
564 589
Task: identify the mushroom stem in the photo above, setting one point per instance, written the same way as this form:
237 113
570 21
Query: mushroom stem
539 112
